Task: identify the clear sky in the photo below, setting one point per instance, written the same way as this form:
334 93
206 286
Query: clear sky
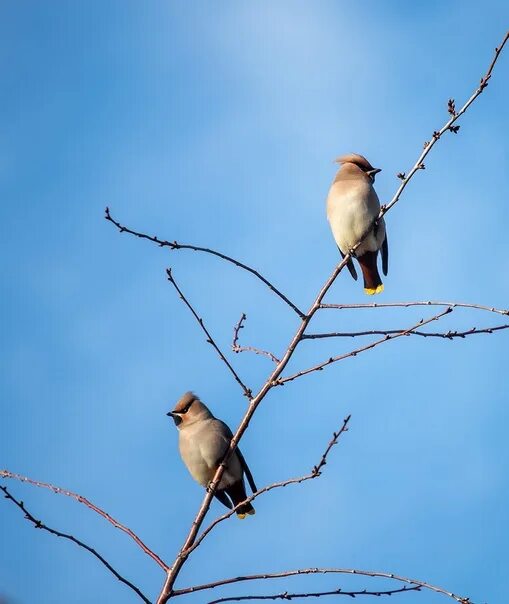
216 123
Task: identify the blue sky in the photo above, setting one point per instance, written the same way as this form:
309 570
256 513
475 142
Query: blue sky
216 124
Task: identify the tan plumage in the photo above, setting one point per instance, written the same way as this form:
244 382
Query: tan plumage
203 442
352 205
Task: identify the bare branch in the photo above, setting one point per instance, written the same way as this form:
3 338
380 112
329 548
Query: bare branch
173 573
317 594
498 50
92 506
448 335
500 311
210 340
173 245
40 525
315 472
237 348
326 571
455 115
167 588
357 351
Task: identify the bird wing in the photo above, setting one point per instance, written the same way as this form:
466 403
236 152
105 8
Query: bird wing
247 471
228 435
213 445
385 255
223 498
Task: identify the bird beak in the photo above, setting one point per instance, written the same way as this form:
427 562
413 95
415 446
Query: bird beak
374 171
175 416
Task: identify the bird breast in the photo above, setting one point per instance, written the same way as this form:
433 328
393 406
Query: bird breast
202 446
350 211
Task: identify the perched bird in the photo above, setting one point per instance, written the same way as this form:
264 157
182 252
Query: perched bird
203 442
352 205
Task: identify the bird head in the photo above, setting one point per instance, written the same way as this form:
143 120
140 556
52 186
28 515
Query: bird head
354 159
189 410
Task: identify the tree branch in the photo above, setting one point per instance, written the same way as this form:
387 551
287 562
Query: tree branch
40 525
408 304
448 127
449 335
167 588
237 348
92 506
357 351
315 472
173 245
326 571
317 594
247 391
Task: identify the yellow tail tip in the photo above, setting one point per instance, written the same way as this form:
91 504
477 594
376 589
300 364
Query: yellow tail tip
371 291
242 516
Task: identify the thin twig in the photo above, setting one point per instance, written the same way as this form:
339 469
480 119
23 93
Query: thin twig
325 571
449 335
167 588
357 351
210 339
500 311
236 347
315 472
40 525
92 506
173 245
317 594
448 127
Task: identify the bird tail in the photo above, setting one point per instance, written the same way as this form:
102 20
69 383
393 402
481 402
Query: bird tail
237 493
372 282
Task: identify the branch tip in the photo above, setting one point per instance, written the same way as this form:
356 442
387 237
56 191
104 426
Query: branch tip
38 524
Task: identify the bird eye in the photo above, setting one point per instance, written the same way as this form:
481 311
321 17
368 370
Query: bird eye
187 407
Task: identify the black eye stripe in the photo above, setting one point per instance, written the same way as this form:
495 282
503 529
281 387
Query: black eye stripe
187 407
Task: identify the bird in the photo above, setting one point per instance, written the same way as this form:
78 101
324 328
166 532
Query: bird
352 206
203 442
